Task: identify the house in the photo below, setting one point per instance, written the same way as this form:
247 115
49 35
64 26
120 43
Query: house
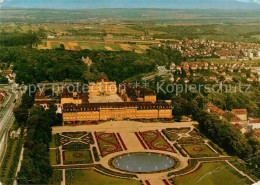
241 113
186 80
241 128
255 124
7 72
232 118
214 109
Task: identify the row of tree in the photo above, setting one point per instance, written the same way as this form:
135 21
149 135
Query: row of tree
36 168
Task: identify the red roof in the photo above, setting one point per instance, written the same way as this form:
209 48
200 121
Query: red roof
214 108
1 97
238 126
239 111
254 121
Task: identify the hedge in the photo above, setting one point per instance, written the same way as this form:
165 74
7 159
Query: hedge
95 152
180 150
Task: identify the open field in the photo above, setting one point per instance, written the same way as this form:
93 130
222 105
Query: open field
211 174
91 177
138 47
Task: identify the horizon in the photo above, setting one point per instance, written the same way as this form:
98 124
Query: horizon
133 4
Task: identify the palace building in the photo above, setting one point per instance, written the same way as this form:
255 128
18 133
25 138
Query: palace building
125 102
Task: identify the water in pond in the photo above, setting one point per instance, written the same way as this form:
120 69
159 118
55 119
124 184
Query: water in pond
143 162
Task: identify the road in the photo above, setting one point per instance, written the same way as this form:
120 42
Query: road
7 116
161 71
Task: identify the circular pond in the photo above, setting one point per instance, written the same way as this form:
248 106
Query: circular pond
143 162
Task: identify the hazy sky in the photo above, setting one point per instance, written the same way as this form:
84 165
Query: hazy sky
174 4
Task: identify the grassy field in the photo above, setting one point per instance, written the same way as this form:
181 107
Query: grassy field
56 177
53 159
90 177
78 157
53 142
199 150
211 174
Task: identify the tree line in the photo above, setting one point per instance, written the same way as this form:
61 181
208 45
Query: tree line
36 168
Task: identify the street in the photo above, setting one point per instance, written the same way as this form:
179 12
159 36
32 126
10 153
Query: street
7 116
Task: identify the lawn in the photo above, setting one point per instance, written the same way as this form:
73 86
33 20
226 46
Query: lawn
56 177
53 156
53 141
91 177
211 174
77 157
199 150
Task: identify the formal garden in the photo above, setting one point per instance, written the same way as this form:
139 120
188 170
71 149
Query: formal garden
83 158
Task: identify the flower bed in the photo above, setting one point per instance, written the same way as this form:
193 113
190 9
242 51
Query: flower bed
107 143
121 140
76 146
191 140
140 140
155 141
170 134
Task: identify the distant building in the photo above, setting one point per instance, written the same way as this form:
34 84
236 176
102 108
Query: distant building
138 103
214 109
255 124
241 113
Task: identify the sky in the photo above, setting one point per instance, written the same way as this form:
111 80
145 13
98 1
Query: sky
95 4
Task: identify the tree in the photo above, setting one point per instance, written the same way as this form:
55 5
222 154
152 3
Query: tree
21 114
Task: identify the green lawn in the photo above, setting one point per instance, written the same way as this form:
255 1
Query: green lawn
56 177
90 177
212 174
194 150
78 157
53 142
53 159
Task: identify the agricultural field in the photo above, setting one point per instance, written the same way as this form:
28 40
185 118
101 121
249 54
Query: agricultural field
97 45
211 174
90 177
